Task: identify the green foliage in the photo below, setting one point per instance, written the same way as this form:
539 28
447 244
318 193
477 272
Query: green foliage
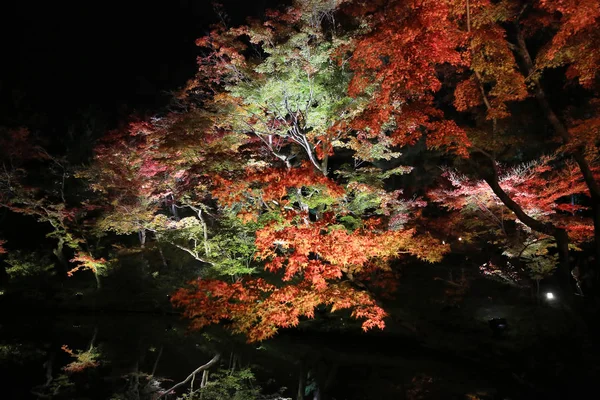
363 201
236 385
28 265
298 75
371 176
313 197
19 353
350 223
233 248
227 249
536 255
82 359
127 218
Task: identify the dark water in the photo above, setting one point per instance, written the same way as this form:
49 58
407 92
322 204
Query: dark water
137 356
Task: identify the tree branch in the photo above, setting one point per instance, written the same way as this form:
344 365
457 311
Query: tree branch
558 126
192 375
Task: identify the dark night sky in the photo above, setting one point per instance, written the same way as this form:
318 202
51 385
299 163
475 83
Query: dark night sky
113 58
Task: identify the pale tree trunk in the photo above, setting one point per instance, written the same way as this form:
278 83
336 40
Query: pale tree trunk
162 256
301 382
142 237
98 282
60 255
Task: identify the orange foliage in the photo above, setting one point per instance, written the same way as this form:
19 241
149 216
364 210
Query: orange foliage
400 55
83 360
86 261
314 258
258 309
541 188
271 184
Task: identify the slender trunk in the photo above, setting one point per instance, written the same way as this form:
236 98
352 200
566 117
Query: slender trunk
203 383
93 340
204 233
325 161
156 361
134 391
563 272
142 237
301 382
204 378
60 255
162 256
98 282
174 208
48 365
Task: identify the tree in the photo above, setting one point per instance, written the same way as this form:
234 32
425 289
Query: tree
30 194
242 167
544 190
278 81
476 49
318 260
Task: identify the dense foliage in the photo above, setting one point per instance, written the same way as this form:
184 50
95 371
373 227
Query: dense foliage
276 183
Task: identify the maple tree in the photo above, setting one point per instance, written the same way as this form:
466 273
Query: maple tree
480 51
27 193
19 195
277 174
319 259
277 80
318 239
545 190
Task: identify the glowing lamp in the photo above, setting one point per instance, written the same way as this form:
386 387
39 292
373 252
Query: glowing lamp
550 296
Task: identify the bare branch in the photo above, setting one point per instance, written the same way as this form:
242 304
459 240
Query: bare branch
192 375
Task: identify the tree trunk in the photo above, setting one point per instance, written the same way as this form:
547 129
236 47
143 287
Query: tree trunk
563 133
60 255
301 382
325 161
563 273
156 362
142 237
98 282
162 256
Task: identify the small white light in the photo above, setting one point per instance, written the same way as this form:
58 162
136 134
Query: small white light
443 242
460 239
550 295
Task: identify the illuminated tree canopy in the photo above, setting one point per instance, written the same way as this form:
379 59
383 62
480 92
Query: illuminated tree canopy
280 180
